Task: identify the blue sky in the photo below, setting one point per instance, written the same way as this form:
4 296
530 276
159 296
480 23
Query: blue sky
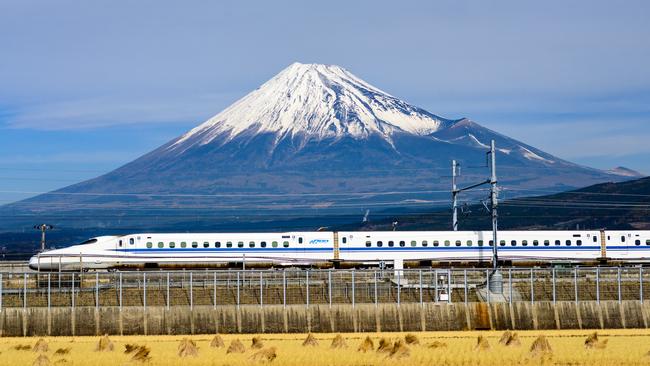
88 86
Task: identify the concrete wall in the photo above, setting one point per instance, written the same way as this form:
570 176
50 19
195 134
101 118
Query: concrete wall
322 318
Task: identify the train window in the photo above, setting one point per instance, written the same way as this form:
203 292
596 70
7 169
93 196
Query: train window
195 244
149 244
414 243
217 244
345 240
274 244
240 244
622 238
391 243
379 243
119 243
578 242
161 244
251 244
424 243
206 244
447 243
568 242
300 240
402 243
172 244
647 242
263 244
436 243
368 243
524 243
285 244
229 244
557 242
480 243
595 239
131 241
458 243
502 242
513 242
535 243
637 242
546 243
469 243
183 244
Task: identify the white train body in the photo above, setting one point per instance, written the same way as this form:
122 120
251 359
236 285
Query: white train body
351 247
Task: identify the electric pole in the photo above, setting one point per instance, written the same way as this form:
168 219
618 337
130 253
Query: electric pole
495 282
43 228
454 192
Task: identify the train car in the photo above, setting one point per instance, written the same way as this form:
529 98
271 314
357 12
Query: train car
349 248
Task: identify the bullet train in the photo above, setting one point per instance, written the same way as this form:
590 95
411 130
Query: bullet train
345 248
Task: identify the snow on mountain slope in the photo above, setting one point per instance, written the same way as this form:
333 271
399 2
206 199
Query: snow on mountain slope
318 101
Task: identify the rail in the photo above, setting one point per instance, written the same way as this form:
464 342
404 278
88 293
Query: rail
310 287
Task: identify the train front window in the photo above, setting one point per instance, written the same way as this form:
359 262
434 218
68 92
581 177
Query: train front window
89 241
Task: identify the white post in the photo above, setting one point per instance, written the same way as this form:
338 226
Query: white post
261 290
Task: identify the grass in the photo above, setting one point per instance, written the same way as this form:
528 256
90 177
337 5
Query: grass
624 347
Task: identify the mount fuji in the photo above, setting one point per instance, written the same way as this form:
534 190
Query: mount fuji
316 137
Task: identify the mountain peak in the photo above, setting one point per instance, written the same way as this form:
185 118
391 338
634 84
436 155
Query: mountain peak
314 102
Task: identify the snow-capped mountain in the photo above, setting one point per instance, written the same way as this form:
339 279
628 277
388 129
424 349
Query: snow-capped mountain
318 137
314 102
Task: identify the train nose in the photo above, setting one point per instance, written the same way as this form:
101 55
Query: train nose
33 263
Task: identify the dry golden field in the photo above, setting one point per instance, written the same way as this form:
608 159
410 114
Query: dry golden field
614 347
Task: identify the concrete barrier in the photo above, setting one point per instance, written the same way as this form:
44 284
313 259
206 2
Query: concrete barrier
321 318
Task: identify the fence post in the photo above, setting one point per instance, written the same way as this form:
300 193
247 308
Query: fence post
72 288
553 272
144 290
238 289
376 293
575 282
598 285
1 290
97 289
353 288
214 292
618 279
261 290
329 285
24 290
510 285
465 285
168 299
449 286
421 300
120 289
49 290
435 284
487 285
191 291
284 289
532 287
307 286
399 288
641 284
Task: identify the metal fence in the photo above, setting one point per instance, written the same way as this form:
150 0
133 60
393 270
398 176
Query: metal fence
309 287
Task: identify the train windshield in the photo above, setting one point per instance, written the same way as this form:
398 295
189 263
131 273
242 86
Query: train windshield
89 241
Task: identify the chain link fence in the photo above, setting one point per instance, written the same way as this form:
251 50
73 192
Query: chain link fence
308 287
